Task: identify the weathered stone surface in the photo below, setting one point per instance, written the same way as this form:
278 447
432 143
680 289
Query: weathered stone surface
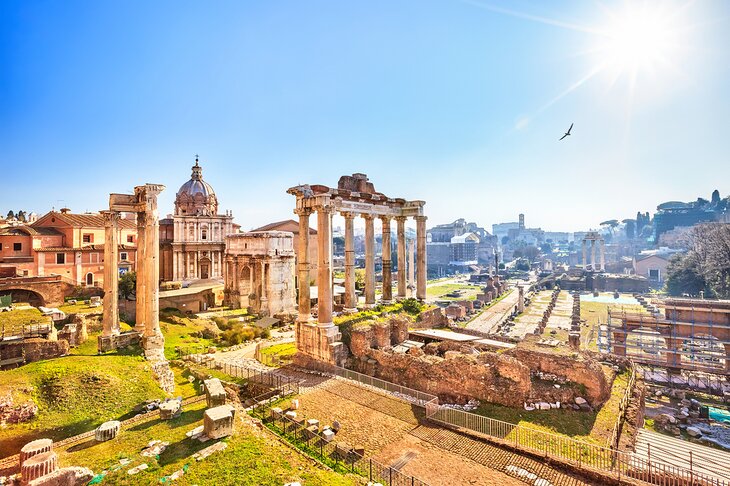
381 334
39 465
34 349
399 329
169 409
35 447
107 430
218 421
432 318
215 394
67 476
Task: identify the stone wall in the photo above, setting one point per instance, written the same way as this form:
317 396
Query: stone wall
35 349
457 372
432 318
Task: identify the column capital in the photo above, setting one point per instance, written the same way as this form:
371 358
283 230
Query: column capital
385 218
367 216
348 214
401 219
420 218
327 208
303 211
110 217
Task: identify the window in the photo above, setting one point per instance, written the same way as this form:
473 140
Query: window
93 257
17 246
88 238
89 279
60 258
25 273
130 238
123 256
204 234
653 274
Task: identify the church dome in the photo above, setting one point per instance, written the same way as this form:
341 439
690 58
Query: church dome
196 196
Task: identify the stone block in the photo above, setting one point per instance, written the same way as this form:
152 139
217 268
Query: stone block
294 404
107 430
311 432
170 409
218 421
35 447
67 476
276 413
39 465
291 415
215 394
313 422
328 435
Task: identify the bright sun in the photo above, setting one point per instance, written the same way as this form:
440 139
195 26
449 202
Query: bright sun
637 39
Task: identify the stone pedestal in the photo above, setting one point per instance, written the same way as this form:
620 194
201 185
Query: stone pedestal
321 343
107 431
38 466
215 394
67 476
34 448
170 409
218 421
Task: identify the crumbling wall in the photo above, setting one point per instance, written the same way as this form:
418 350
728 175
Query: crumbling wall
35 349
432 318
578 368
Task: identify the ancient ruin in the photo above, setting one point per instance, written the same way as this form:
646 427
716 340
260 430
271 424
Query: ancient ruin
143 203
354 196
259 272
594 238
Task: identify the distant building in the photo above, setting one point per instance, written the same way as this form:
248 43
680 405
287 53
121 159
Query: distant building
672 214
452 247
293 227
192 240
66 244
653 264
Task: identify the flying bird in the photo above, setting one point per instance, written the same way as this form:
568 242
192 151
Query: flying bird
566 133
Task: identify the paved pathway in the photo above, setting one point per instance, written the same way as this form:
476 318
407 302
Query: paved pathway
710 462
488 320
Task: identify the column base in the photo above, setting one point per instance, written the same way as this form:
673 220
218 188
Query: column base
386 302
369 306
350 310
320 341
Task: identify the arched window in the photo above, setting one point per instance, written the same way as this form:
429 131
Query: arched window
204 234
89 279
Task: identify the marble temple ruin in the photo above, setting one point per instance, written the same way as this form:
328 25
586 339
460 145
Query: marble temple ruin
143 203
354 197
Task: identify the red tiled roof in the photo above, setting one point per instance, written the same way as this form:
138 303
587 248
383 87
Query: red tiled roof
90 220
286 225
83 248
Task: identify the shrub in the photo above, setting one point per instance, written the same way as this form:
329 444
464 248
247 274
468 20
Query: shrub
412 306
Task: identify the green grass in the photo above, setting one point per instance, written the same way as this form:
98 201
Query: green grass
564 422
440 291
14 320
183 334
283 351
252 458
75 394
80 308
595 312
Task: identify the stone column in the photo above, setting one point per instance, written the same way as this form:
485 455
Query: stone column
152 271
593 255
369 260
111 274
603 255
411 267
401 237
387 270
174 265
520 299
305 313
583 244
421 258
324 272
350 297
140 291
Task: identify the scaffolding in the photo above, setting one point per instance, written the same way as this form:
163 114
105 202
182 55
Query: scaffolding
692 335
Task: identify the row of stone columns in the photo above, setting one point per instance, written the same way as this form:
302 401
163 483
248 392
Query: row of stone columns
324 269
602 267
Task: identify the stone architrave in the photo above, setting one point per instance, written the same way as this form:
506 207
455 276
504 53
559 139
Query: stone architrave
218 421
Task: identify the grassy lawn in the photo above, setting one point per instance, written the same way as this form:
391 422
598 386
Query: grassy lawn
13 321
75 394
440 291
184 333
285 350
80 308
253 456
592 427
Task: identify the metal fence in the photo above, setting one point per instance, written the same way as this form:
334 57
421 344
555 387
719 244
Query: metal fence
337 455
581 454
616 432
276 381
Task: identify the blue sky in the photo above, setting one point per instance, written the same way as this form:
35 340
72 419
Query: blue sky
453 102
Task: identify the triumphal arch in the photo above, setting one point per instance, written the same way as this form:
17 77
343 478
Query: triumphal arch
354 197
143 203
